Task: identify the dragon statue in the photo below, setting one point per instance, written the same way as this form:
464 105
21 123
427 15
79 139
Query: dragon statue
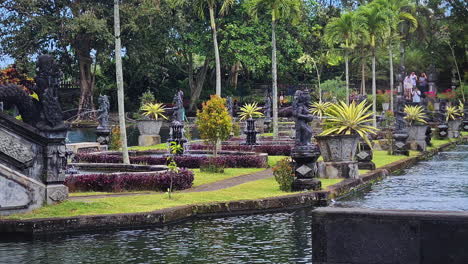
45 113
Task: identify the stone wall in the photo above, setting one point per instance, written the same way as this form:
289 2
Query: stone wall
31 166
365 236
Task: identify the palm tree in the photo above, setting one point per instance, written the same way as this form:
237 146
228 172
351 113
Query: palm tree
287 9
212 4
376 24
119 77
397 16
346 30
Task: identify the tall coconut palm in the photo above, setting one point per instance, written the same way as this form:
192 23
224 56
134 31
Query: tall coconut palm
211 5
346 30
278 9
119 78
397 15
376 23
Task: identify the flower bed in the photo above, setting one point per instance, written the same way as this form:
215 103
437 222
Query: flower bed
273 150
231 161
130 181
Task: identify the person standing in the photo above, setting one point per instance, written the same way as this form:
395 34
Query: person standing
416 95
423 84
414 79
408 86
281 98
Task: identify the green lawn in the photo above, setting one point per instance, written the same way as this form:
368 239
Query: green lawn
205 177
154 147
146 203
272 160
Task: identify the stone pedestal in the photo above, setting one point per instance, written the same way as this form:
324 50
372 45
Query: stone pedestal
429 136
250 132
454 128
56 193
417 137
364 157
176 135
305 167
103 136
341 169
399 143
465 125
442 131
149 140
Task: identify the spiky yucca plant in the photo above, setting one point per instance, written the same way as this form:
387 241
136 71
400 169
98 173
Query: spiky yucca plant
453 113
415 114
461 108
319 108
349 119
153 110
250 111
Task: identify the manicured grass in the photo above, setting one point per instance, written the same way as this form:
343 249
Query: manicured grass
272 160
154 147
200 178
382 158
266 134
206 177
146 203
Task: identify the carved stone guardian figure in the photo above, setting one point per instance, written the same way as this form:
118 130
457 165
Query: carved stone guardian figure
304 154
103 129
400 133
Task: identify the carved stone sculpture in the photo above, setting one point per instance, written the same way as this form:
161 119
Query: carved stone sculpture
268 106
302 118
45 114
400 133
103 129
179 111
229 105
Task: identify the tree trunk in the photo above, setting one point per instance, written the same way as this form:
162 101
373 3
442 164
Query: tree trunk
347 76
86 105
274 74
120 88
458 72
234 74
374 92
196 83
390 54
216 50
363 77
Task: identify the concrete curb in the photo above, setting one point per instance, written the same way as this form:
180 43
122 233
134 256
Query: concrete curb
43 227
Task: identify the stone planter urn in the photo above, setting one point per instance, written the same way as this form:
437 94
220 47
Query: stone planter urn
149 132
436 106
338 154
417 137
454 128
385 106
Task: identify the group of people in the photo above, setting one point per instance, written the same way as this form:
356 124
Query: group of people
415 87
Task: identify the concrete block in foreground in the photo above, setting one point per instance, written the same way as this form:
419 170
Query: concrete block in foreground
365 236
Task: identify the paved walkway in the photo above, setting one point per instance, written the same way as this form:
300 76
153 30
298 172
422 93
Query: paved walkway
214 186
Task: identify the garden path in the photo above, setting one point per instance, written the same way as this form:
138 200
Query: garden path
214 186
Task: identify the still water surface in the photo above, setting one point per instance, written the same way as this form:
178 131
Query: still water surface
269 238
438 184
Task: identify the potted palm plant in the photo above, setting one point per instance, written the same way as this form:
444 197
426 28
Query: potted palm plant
343 127
417 124
149 128
453 118
248 112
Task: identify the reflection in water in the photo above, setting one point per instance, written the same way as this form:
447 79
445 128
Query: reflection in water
269 238
438 184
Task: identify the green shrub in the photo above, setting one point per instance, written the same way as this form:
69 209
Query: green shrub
284 174
115 142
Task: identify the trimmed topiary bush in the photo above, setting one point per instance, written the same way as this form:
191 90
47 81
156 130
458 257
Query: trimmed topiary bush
284 174
182 161
130 181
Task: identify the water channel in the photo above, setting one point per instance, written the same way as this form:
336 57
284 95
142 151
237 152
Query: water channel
438 184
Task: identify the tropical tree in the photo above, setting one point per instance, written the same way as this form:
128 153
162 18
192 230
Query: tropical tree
346 30
397 15
211 5
375 24
278 9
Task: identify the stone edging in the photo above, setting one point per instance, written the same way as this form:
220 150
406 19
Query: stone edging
41 227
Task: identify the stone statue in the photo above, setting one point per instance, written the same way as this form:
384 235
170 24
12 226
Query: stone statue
179 111
103 111
268 106
229 105
45 114
302 117
47 84
400 122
